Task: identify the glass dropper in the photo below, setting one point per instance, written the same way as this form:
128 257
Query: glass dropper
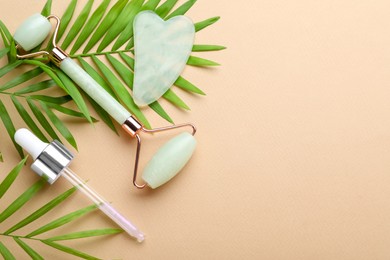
52 160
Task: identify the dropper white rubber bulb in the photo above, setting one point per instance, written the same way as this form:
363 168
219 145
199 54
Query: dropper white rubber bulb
51 161
32 144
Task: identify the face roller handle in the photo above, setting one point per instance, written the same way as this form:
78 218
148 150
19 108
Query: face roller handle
52 160
34 30
94 90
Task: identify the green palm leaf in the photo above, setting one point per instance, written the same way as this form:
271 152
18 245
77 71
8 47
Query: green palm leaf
150 5
105 24
182 9
69 250
74 93
54 100
200 62
9 67
23 240
36 87
164 9
127 33
65 83
47 8
62 220
59 125
206 23
78 24
205 47
88 233
90 25
97 77
5 34
6 119
5 252
66 17
7 182
125 19
174 99
31 252
42 120
125 73
28 120
69 112
4 52
188 86
40 212
21 200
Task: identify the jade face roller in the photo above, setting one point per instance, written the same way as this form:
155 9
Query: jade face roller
52 160
168 160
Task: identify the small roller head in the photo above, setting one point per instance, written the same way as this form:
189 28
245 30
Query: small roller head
169 160
32 144
32 32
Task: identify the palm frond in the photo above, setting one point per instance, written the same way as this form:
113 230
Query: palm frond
7 182
116 29
205 47
41 211
87 233
108 57
27 98
21 200
4 251
31 252
200 62
69 250
62 220
24 240
32 98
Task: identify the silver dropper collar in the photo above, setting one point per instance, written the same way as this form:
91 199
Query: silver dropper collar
52 161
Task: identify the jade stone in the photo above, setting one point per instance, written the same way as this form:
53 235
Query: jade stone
162 49
32 32
94 90
169 160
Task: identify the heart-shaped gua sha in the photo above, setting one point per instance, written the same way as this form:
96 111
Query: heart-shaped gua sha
162 49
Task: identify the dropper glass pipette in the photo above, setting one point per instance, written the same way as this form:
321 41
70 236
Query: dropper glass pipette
103 205
52 160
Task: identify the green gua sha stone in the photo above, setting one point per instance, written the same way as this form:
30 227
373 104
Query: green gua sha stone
162 49
169 160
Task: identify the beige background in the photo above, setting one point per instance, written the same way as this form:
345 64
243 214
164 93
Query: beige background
294 142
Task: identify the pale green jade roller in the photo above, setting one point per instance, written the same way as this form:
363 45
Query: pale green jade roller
167 162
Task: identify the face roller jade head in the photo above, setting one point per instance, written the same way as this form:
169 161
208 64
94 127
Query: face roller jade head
167 162
52 160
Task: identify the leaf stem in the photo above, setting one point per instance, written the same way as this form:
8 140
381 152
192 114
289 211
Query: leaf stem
98 53
12 94
24 237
